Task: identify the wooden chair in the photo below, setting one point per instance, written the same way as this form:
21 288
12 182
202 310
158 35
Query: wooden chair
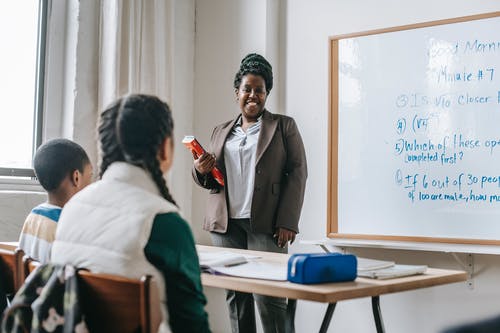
29 265
11 270
113 303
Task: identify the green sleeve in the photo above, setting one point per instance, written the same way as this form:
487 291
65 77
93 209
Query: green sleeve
171 249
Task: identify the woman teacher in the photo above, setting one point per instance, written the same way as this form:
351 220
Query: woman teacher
262 158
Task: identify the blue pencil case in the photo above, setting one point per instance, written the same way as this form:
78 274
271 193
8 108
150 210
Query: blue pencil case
309 268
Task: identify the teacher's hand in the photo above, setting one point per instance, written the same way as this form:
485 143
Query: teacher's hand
205 163
283 236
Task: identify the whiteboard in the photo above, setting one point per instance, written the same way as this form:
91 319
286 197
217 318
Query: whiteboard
415 132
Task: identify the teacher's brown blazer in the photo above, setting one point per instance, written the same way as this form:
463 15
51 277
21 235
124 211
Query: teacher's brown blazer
280 177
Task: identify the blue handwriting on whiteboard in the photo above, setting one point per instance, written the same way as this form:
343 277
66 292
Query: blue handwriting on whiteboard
467 187
443 75
481 46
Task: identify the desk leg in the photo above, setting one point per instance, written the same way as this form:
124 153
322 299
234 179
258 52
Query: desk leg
290 316
327 318
377 315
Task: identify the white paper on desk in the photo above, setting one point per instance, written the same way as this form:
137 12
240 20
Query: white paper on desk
223 258
394 271
255 270
365 264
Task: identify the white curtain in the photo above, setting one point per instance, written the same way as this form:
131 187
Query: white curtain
143 49
100 50
104 49
135 49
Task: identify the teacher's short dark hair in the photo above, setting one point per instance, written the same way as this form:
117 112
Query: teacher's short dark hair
56 159
255 64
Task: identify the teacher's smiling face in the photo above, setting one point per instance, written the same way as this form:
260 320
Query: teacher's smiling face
251 96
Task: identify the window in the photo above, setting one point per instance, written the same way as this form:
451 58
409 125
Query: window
22 61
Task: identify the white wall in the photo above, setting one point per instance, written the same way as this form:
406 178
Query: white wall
303 30
15 205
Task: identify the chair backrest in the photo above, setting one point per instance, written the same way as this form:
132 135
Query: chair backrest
29 265
115 304
112 303
11 270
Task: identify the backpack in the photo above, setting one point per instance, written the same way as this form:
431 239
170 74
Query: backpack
47 302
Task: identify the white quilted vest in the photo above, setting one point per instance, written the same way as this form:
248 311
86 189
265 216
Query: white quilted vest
106 226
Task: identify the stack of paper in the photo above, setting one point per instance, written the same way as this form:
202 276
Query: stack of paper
381 269
365 264
235 264
393 271
215 259
256 270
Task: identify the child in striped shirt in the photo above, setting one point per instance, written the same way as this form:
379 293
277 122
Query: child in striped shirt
62 168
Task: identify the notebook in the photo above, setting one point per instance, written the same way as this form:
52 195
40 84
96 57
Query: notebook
394 271
365 264
241 265
220 258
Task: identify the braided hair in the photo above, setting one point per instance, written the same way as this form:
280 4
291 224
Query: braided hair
132 130
255 64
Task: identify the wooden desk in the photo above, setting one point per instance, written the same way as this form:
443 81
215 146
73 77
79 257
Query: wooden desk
9 245
328 292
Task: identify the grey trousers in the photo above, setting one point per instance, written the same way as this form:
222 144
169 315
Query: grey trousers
272 310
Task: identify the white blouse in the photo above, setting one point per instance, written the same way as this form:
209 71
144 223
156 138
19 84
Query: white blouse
239 157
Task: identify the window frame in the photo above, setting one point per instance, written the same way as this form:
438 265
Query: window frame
38 101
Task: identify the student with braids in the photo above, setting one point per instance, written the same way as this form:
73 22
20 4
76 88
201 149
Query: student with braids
127 223
262 157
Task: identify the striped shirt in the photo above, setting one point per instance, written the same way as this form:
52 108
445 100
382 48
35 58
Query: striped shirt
39 230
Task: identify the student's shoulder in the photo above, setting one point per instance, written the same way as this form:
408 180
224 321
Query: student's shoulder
171 222
47 210
170 228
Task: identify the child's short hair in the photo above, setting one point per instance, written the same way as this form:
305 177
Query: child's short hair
56 159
